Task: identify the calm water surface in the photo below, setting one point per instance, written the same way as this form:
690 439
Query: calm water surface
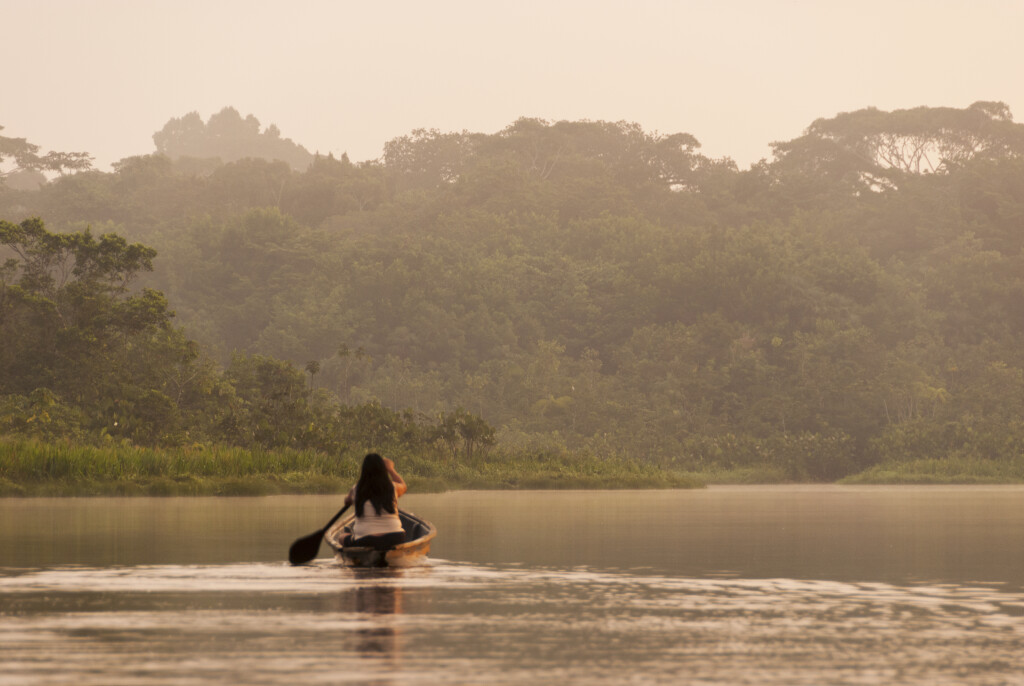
730 585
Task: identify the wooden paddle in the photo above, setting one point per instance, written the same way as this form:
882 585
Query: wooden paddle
307 547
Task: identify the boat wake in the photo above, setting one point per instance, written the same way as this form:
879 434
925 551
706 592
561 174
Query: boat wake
327 576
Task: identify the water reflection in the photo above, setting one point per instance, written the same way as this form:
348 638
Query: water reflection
381 638
373 598
479 624
769 586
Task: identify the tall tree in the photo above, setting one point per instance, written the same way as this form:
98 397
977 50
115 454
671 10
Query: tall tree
19 156
228 136
870 148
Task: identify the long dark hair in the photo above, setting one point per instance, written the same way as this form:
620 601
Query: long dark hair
375 485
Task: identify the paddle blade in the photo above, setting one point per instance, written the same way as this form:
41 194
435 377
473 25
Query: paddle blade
306 548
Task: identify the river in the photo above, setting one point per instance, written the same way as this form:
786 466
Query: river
727 585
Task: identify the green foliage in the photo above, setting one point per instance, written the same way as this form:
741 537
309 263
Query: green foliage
584 287
794 457
947 470
463 434
40 415
71 325
30 467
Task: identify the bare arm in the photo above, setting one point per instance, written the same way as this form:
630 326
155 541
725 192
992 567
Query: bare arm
400 485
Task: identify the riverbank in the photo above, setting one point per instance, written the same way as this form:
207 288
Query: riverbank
946 471
29 468
34 469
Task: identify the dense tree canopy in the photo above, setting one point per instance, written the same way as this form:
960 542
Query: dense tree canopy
591 285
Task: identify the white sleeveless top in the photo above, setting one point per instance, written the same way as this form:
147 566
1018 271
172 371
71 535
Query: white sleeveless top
374 523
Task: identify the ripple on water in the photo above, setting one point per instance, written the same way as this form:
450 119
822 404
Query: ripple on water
458 623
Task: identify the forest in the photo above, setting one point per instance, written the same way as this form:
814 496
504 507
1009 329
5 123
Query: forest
567 293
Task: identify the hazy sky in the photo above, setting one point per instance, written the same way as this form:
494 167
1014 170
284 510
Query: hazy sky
102 75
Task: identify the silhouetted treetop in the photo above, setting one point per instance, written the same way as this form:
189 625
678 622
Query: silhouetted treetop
226 135
21 159
873 148
542 151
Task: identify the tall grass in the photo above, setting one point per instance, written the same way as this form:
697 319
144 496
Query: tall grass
34 468
34 461
950 470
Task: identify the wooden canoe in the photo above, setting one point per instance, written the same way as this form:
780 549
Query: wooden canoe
418 534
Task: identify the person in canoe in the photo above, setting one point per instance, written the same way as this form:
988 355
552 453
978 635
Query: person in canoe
376 496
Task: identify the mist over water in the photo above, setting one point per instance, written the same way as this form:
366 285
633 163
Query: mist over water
885 585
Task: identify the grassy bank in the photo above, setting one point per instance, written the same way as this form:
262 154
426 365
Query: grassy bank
743 476
951 470
30 468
